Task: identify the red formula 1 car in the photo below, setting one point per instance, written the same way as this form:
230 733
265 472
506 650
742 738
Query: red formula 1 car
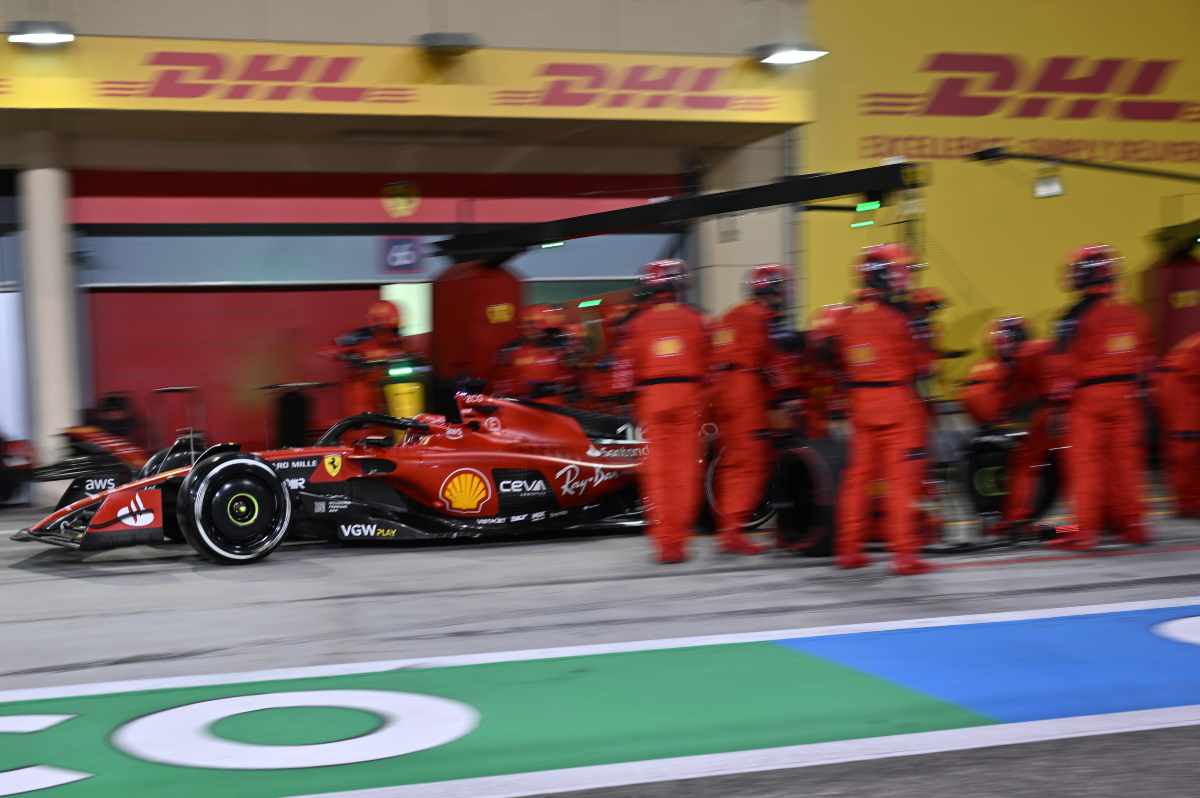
508 466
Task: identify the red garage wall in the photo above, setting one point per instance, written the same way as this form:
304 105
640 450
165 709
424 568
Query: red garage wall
226 342
133 197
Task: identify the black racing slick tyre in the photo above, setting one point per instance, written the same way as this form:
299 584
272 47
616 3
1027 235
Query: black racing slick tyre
763 512
159 462
233 508
809 480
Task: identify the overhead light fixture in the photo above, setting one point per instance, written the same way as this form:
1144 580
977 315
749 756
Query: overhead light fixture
779 54
40 34
448 44
1047 184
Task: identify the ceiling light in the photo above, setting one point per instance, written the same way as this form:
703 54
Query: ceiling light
40 34
448 44
786 54
1047 184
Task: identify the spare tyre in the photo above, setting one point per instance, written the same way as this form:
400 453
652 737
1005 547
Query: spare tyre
763 512
985 475
807 481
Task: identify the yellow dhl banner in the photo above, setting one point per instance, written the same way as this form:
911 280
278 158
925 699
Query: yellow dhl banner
226 76
1103 80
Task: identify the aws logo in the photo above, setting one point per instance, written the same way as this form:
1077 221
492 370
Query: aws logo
1058 87
465 491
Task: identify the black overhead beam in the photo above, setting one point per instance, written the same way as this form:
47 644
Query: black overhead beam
499 244
1001 154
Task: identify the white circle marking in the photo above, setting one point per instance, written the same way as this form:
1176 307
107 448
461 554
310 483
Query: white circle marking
181 736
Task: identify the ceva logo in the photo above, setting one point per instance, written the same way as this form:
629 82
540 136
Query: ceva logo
1059 87
190 75
686 88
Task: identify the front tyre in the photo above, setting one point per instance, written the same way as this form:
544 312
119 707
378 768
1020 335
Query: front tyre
233 508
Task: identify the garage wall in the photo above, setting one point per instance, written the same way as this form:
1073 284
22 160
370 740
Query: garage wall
216 339
991 246
705 26
14 408
322 260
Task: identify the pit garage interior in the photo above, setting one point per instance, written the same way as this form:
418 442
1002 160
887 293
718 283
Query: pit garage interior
204 195
173 266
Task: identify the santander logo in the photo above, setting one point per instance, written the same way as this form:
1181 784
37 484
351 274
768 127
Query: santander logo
136 513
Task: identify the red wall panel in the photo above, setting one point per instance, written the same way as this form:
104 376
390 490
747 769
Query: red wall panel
227 342
134 197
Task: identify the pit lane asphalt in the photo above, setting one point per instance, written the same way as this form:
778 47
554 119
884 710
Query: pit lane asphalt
141 612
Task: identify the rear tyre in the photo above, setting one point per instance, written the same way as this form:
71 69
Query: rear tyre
233 509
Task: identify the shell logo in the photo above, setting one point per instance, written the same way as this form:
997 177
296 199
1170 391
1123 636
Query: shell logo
466 491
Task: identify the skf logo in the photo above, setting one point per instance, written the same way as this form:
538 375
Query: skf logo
1060 87
185 75
333 464
466 491
642 86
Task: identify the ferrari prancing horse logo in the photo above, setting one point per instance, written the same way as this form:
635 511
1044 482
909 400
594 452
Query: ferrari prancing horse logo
333 464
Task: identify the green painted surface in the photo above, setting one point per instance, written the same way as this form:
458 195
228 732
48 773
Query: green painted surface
534 715
296 725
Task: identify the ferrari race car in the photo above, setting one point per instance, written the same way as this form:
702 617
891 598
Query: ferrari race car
508 466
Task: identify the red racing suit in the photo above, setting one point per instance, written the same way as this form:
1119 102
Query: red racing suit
538 371
366 355
1027 395
882 361
1105 349
741 355
983 391
1177 394
666 349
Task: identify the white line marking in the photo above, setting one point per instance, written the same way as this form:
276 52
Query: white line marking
793 756
457 660
1181 630
38 777
27 724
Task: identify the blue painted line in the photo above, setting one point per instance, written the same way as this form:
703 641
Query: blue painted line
1032 670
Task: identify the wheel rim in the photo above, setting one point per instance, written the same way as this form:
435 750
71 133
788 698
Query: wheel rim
240 516
763 512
